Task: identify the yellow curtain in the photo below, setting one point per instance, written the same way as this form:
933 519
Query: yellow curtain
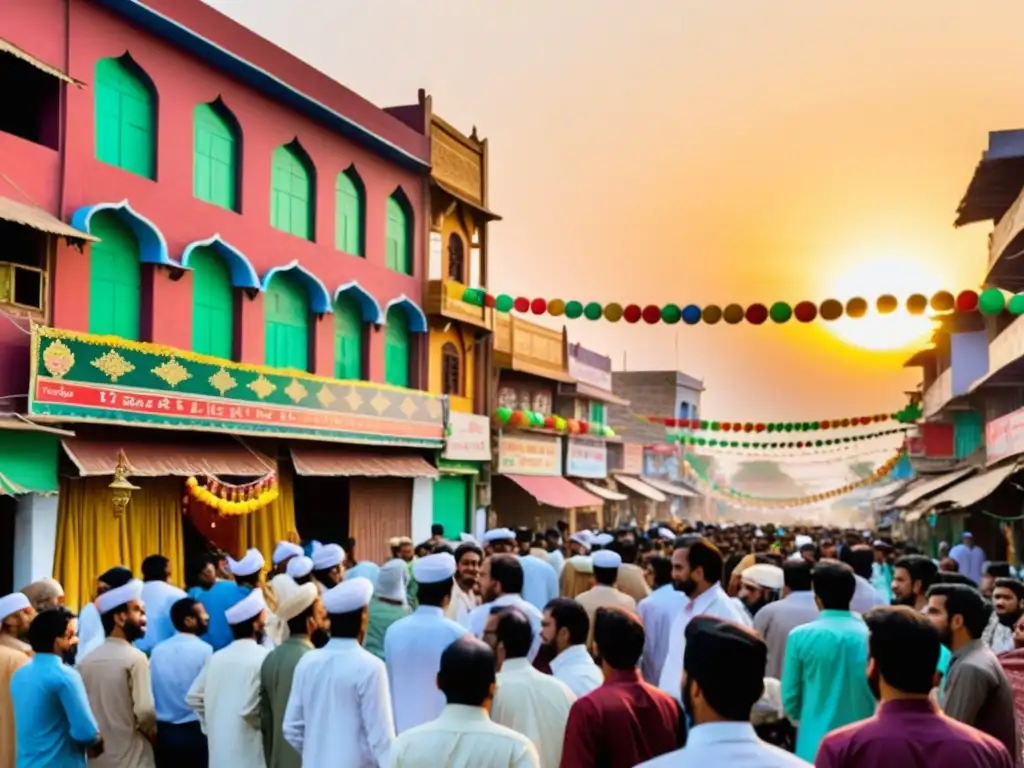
275 522
90 539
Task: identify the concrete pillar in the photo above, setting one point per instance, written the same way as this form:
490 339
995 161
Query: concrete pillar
35 538
422 508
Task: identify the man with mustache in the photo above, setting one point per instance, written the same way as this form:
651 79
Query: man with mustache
1007 597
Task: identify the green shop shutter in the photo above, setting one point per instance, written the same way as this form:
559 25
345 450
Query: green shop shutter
596 412
291 194
348 215
125 119
396 348
398 252
213 305
115 278
348 340
451 504
287 324
214 158
28 462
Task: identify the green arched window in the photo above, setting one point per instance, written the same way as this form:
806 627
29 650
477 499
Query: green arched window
349 209
291 191
348 339
396 348
215 155
398 238
287 322
213 305
125 116
115 278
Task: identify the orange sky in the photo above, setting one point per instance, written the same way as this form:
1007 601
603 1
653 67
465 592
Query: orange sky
703 151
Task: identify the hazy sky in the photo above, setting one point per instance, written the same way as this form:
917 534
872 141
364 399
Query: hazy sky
705 151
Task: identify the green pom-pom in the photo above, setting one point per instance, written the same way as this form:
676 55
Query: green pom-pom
819 443
770 427
780 312
715 426
504 303
671 314
593 311
503 414
991 301
1016 305
573 309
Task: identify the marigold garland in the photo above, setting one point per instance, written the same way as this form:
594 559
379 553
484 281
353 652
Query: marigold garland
228 499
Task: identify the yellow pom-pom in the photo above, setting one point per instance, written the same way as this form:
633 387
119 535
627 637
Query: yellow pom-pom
191 482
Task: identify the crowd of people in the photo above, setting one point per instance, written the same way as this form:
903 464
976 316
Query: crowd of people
676 646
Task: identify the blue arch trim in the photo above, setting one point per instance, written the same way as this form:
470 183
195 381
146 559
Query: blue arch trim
413 314
152 243
319 299
243 275
367 304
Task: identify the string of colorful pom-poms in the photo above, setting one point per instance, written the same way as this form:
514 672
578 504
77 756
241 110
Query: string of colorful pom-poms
907 415
830 442
991 301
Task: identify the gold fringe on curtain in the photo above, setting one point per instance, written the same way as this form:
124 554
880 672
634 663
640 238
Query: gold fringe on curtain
91 540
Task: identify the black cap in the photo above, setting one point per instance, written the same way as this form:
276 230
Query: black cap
524 535
116 577
714 647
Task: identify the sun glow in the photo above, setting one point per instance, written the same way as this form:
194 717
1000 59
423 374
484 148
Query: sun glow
871 278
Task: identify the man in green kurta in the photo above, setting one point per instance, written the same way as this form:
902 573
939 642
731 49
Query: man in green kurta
301 610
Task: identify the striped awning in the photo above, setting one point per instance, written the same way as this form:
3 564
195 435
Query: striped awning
98 458
39 220
337 462
605 493
640 488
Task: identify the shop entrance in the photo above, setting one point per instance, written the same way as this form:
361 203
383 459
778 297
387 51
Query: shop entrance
322 508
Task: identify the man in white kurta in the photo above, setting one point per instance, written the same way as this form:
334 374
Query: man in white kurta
501 586
226 695
526 700
413 645
657 611
339 708
564 632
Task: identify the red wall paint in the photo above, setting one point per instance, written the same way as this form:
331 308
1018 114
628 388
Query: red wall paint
182 83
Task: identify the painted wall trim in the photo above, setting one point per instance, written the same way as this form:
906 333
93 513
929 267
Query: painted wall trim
152 243
319 298
243 274
367 303
416 317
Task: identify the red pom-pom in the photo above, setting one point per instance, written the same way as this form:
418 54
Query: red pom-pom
549 422
756 314
652 314
538 306
805 311
966 301
489 300
759 427
737 427
726 426
584 427
521 304
825 424
632 313
836 424
846 422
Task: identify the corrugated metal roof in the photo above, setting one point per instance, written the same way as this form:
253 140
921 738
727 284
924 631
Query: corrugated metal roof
931 486
974 489
338 462
604 493
640 487
166 459
39 220
670 488
10 48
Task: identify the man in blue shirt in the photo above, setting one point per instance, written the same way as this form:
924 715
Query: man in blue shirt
54 725
219 595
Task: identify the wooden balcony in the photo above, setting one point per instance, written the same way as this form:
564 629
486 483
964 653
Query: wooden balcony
444 299
520 345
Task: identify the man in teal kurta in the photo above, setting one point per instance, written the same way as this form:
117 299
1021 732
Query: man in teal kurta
824 675
306 618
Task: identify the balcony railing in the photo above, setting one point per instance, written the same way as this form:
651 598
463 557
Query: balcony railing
1008 227
444 299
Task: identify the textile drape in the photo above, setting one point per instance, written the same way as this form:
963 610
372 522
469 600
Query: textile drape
275 522
90 539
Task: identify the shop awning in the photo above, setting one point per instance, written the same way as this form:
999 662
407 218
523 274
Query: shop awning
641 488
28 463
12 50
336 462
97 458
15 422
604 493
39 220
671 488
487 214
915 513
555 491
928 487
974 489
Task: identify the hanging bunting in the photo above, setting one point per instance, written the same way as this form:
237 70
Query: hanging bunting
991 301
514 418
758 427
725 442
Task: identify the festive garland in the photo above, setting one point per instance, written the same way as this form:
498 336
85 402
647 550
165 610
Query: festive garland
799 444
229 499
907 415
991 301
522 419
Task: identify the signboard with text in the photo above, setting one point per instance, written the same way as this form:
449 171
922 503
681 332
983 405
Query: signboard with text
529 455
1004 437
468 438
586 458
632 459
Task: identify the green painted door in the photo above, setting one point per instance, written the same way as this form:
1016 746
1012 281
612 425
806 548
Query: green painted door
348 339
214 158
291 194
125 119
396 349
115 278
348 215
451 504
287 323
213 305
398 250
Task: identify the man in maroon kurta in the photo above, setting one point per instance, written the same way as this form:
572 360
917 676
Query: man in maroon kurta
908 730
625 721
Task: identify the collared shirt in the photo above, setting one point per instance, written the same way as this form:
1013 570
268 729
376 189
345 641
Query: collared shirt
174 665
729 745
533 704
463 737
971 561
116 677
978 693
54 724
461 604
603 596
276 677
339 710
11 661
158 597
824 682
658 611
776 620
382 616
621 724
712 602
476 621
576 668
910 733
217 599
412 652
540 581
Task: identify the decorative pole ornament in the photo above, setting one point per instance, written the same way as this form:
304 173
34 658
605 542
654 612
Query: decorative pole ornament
120 488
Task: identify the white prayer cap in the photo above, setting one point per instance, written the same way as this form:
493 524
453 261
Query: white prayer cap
284 550
603 539
350 595
467 538
252 562
605 558
327 556
11 604
801 539
299 566
392 580
281 586
795 557
499 534
765 575
758 532
581 564
296 601
246 609
582 538
396 541
433 568
112 598
667 533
